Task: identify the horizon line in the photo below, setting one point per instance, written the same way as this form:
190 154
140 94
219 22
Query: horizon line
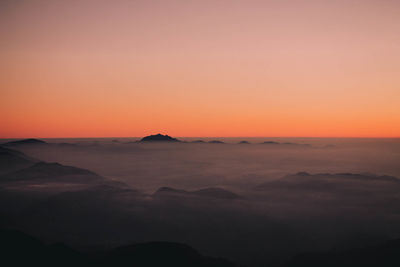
91 137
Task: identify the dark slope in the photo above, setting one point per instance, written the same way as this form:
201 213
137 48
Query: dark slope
97 213
383 255
159 138
11 160
161 254
20 249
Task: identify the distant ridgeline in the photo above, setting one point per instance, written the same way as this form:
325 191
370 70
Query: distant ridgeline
150 138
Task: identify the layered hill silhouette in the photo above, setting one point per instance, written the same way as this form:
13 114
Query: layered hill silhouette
20 249
52 178
11 160
50 171
212 192
159 138
30 141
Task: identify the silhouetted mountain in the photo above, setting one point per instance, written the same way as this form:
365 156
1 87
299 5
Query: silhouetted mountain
213 192
30 141
20 249
383 255
51 172
216 142
198 141
271 143
244 142
11 160
159 138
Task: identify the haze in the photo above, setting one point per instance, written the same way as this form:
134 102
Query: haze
214 133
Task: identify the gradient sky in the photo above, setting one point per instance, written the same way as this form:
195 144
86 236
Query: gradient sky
200 68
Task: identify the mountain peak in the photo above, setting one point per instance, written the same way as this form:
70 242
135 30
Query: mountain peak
159 138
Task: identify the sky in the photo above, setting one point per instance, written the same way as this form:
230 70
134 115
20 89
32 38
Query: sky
199 68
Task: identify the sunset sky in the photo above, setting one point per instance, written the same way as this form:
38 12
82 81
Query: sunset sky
200 68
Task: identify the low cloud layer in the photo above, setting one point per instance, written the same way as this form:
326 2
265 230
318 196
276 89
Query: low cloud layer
255 204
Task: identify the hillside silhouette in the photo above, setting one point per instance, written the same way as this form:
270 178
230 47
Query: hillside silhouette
382 255
30 141
50 171
20 249
11 160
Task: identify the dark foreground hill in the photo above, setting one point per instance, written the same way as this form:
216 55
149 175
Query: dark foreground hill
382 255
20 249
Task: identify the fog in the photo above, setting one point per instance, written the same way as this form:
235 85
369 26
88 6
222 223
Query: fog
267 202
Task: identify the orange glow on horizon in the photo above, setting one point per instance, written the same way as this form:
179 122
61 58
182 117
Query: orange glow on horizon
244 68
